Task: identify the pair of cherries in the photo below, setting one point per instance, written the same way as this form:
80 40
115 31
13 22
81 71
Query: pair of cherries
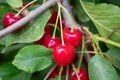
82 74
63 55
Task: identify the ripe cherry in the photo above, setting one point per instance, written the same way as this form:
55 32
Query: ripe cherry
74 38
63 55
53 17
50 42
82 75
48 30
9 18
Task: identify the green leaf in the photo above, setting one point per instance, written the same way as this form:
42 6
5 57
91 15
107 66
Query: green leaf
105 17
34 32
100 69
113 55
2 1
15 3
33 58
80 12
94 1
9 72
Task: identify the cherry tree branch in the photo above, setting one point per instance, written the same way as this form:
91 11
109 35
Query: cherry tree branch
27 18
66 17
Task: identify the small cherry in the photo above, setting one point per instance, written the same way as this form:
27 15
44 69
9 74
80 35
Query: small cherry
49 42
82 75
47 31
72 37
9 19
53 17
63 55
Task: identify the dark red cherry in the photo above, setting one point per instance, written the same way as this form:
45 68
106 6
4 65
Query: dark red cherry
63 55
74 38
9 18
48 30
82 75
53 17
50 42
55 72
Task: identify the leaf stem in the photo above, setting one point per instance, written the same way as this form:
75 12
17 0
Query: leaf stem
107 41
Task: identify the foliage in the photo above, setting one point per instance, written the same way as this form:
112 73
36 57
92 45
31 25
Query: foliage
22 59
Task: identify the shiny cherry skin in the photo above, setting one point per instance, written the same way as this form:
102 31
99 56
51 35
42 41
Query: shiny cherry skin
9 18
55 72
63 55
50 42
82 75
74 38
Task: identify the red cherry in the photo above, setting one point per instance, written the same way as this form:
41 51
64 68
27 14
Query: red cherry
48 30
74 38
50 42
82 75
9 18
63 55
55 72
53 17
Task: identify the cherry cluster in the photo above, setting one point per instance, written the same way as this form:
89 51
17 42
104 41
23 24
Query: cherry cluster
63 54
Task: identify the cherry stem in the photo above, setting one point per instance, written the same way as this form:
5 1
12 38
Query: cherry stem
90 52
61 30
67 72
82 53
51 70
76 71
60 72
23 8
94 42
58 14
72 28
